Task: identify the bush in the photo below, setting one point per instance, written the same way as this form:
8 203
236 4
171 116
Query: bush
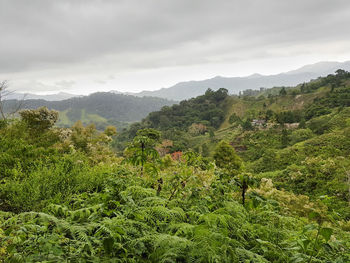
300 135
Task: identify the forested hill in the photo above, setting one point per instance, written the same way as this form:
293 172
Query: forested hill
101 108
261 179
208 109
297 136
216 110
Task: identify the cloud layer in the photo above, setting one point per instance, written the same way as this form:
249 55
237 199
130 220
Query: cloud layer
129 35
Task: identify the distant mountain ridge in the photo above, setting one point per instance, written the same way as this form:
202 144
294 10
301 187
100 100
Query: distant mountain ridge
51 97
189 89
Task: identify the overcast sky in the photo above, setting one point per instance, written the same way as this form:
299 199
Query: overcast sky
126 45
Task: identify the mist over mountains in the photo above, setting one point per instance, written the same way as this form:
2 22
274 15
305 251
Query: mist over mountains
189 89
51 97
101 108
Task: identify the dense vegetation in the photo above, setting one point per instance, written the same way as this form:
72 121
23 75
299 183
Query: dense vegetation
207 109
190 117
209 185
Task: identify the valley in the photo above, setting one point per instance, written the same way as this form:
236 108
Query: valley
216 178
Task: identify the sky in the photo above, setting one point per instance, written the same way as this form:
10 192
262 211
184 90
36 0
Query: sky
84 46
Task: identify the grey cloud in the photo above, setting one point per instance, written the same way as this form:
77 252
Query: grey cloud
99 81
65 83
139 34
39 86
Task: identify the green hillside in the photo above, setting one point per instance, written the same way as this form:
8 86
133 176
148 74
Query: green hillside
309 123
68 117
102 109
252 178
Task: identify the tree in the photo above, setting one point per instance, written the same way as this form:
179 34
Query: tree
340 72
244 181
220 94
39 120
142 148
4 93
234 118
197 129
211 133
302 124
205 150
303 88
226 158
84 137
150 133
283 92
110 131
247 125
269 114
164 147
284 138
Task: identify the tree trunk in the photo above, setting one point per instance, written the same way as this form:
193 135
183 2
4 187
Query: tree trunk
143 155
244 189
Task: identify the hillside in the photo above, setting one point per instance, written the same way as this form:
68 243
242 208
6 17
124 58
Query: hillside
308 123
223 179
217 110
261 178
101 108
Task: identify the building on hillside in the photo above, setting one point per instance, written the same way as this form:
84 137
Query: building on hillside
294 125
258 123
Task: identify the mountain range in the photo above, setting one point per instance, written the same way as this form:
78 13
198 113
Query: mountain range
50 97
105 108
189 89
101 108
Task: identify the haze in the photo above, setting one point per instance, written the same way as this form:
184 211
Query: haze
86 46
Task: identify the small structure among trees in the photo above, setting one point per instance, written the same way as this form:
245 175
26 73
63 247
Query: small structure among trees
258 123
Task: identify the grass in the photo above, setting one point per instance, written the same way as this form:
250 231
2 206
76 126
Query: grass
63 119
86 118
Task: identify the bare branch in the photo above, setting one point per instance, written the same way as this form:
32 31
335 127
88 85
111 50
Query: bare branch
4 93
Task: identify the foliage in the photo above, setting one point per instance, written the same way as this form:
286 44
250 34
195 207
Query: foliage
101 108
197 129
142 149
126 221
208 108
226 158
39 120
66 197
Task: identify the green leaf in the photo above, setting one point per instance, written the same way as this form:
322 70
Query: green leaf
108 245
309 227
314 215
326 232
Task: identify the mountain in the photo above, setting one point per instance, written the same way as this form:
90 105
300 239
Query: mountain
276 191
52 97
299 138
322 68
189 89
102 108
